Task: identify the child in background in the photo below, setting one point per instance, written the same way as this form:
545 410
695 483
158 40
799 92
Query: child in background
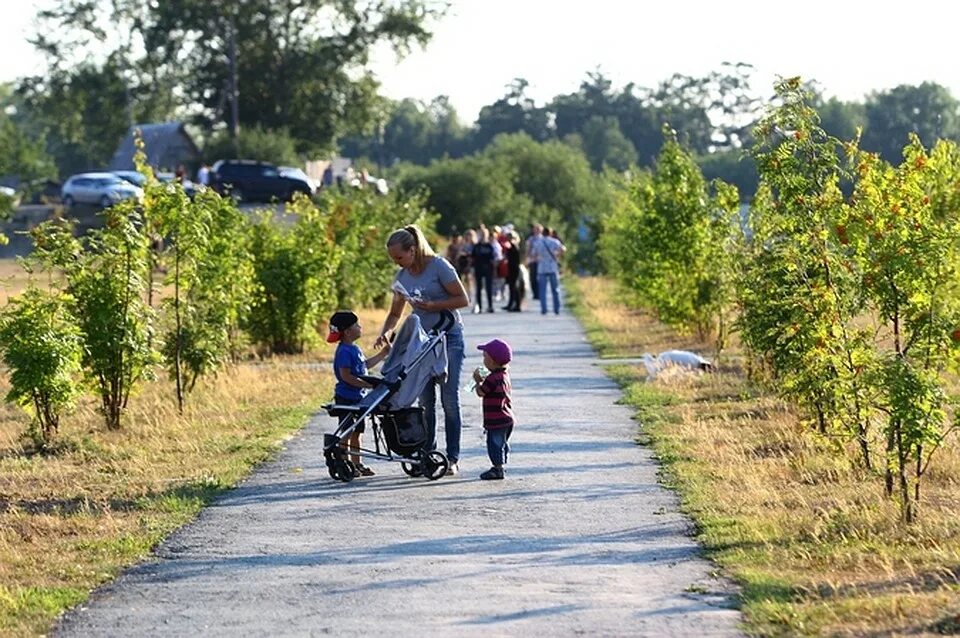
349 365
494 389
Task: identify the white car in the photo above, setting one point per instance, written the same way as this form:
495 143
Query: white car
101 189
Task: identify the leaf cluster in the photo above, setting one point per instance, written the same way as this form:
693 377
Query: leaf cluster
668 240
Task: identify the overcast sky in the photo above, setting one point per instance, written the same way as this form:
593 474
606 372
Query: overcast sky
850 47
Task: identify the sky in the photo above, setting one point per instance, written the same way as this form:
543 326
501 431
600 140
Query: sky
850 47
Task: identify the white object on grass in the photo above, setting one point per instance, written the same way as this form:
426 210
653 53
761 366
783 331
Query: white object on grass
675 358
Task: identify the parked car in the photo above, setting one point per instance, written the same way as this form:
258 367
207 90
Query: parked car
292 172
134 177
248 180
103 189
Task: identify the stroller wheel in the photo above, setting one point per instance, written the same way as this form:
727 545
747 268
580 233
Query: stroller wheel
345 471
435 465
411 470
332 462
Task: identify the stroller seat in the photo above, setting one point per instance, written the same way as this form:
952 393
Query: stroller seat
340 410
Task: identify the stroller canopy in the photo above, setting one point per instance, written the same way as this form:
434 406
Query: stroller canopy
417 357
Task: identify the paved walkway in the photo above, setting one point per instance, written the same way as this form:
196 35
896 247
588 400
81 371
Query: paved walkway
579 539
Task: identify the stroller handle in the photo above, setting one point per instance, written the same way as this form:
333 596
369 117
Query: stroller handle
444 323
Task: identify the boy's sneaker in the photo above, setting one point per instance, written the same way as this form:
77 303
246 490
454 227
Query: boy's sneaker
493 474
363 470
452 470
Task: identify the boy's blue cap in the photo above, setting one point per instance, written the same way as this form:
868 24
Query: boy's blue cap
498 350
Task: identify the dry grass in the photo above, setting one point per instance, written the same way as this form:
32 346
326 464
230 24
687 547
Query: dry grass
72 519
13 279
814 543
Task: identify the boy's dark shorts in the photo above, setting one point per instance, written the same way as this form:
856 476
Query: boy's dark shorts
362 426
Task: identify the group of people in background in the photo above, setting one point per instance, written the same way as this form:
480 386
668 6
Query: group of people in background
496 264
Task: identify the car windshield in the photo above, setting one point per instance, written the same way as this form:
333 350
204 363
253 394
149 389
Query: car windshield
293 172
134 178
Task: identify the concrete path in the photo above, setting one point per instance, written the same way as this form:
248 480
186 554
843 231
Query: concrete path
579 539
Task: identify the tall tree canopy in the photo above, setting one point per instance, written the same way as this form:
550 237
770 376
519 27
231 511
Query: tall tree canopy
21 153
413 131
300 64
927 110
515 112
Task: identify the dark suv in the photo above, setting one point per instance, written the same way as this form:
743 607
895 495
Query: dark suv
248 180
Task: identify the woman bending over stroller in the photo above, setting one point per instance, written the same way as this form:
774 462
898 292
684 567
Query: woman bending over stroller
433 286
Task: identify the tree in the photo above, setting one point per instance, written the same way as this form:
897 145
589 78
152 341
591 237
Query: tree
21 154
552 175
733 167
595 98
668 240
515 112
84 112
406 136
841 119
463 191
928 110
40 344
413 132
294 268
105 284
604 144
639 122
298 64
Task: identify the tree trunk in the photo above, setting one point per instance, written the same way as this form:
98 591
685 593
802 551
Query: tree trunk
906 503
864 445
179 328
888 472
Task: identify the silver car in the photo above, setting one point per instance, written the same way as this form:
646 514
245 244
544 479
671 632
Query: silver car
102 189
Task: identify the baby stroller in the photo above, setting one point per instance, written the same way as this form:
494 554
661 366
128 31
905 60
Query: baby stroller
399 430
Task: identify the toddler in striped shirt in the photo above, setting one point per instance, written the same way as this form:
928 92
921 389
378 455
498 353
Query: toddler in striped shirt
494 389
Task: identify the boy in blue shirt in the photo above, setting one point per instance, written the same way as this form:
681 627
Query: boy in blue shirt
349 365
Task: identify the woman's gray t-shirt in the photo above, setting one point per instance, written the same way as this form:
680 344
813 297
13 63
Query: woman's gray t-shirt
428 285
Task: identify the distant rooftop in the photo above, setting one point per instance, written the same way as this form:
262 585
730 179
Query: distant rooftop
167 145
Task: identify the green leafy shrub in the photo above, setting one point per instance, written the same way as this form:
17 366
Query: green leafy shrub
360 222
41 345
107 290
295 268
669 241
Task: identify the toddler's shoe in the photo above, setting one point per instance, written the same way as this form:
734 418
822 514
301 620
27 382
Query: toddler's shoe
493 474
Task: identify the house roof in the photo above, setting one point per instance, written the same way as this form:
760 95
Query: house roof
167 144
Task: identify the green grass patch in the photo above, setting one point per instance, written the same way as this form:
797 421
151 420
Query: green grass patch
29 609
